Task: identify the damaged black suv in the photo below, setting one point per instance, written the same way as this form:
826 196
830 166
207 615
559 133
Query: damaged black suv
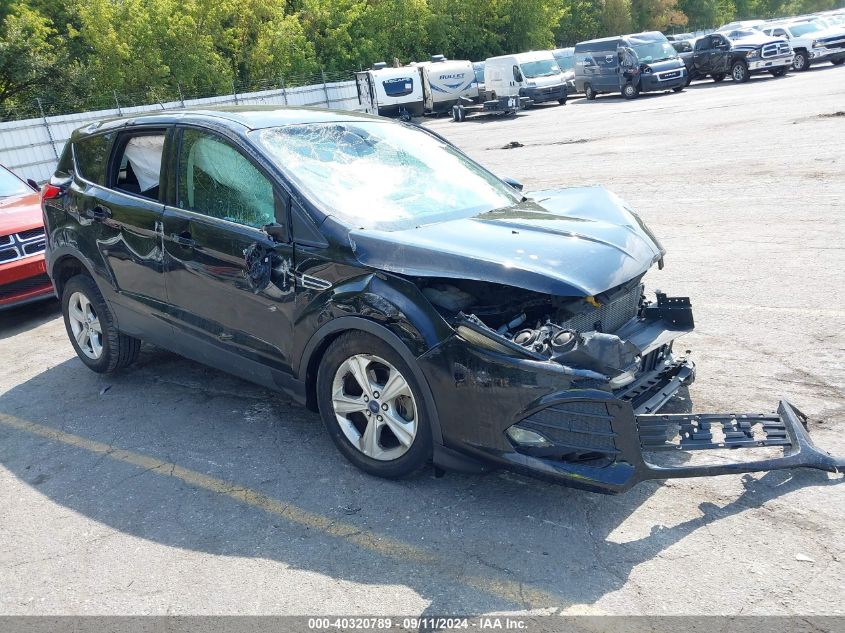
429 310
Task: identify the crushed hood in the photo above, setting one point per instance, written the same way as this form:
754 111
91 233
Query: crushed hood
567 242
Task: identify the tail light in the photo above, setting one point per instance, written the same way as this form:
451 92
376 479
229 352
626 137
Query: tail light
50 191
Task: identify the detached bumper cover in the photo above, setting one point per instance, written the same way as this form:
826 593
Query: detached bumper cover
625 440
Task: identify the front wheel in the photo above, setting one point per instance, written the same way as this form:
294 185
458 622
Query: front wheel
589 92
778 72
630 91
562 101
372 406
90 326
801 61
718 77
679 89
739 72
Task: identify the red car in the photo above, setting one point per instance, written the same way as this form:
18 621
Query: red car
23 276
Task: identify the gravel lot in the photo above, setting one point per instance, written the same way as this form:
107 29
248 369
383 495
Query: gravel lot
173 488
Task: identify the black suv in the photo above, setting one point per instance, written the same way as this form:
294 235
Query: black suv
371 270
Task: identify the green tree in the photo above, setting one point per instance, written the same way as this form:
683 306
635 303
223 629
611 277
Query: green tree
616 17
30 53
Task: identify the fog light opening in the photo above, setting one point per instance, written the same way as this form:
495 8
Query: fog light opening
525 437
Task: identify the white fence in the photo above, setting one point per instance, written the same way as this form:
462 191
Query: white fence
31 147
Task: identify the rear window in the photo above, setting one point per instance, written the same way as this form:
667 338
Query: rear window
398 87
92 155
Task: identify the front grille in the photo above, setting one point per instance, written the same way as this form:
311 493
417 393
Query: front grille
31 234
609 317
578 427
18 287
24 244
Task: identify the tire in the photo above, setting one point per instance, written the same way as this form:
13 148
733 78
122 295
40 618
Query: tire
718 77
679 88
630 91
381 453
780 72
98 343
838 62
739 72
562 101
589 92
801 61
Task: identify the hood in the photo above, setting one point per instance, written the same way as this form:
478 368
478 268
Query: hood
664 65
543 82
19 213
567 242
754 41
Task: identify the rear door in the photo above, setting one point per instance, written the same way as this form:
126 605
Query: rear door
702 55
122 208
230 283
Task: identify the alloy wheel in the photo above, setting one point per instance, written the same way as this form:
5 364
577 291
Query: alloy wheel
374 407
85 325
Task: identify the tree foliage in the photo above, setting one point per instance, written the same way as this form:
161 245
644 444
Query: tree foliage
84 52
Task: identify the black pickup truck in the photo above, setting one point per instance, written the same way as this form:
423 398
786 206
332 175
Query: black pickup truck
717 56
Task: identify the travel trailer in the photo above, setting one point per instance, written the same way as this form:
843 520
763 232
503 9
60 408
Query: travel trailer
446 82
392 92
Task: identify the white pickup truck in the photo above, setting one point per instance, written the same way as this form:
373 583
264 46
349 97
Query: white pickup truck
811 42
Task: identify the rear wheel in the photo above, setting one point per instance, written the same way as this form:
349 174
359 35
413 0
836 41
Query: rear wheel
739 72
837 62
801 61
373 407
678 89
589 92
719 77
90 326
630 91
562 101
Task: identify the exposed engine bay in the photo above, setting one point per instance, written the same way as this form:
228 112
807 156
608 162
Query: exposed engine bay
594 334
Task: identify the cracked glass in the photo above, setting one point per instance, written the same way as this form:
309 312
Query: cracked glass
381 175
217 180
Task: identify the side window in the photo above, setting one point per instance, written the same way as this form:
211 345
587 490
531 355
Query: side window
215 179
720 43
703 44
137 164
517 75
780 33
92 155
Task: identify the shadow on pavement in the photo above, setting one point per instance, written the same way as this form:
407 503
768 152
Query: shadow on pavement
483 532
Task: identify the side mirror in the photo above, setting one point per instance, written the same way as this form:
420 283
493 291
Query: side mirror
33 184
513 182
276 232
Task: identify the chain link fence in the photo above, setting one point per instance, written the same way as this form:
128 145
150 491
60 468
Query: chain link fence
32 135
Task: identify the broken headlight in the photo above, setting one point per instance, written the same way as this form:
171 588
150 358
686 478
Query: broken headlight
483 341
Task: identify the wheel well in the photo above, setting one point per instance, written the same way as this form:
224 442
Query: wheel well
314 366
67 267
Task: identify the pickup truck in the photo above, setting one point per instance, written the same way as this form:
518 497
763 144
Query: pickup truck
811 42
717 56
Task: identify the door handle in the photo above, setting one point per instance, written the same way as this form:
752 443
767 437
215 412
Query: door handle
98 213
183 239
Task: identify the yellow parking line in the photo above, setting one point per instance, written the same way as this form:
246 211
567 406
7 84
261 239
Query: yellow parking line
512 591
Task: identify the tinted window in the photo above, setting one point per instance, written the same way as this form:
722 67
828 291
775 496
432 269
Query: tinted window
137 165
398 87
92 155
215 179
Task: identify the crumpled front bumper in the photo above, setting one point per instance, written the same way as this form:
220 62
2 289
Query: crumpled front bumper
631 442
598 439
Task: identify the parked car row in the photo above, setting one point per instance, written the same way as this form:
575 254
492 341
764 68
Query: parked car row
624 64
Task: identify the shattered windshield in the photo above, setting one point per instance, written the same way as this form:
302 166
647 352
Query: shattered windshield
11 185
382 175
540 68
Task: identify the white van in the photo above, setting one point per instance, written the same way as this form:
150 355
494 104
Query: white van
535 75
393 92
446 82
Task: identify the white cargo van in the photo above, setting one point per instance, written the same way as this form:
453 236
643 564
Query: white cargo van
535 75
